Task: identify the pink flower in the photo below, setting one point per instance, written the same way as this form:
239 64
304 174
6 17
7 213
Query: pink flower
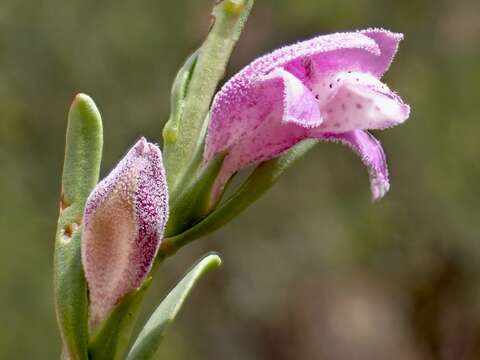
325 88
124 220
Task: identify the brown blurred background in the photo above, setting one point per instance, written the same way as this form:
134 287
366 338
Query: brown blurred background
313 270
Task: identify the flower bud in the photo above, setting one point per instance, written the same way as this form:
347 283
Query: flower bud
124 221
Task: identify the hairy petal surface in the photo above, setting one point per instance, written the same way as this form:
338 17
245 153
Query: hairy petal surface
124 220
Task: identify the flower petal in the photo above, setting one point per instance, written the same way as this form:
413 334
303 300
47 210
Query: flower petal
350 101
388 43
125 217
299 104
279 96
371 152
279 110
333 52
319 67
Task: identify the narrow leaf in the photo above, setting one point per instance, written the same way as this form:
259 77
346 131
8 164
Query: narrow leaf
81 169
148 342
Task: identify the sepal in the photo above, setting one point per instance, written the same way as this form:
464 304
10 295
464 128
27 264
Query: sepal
194 203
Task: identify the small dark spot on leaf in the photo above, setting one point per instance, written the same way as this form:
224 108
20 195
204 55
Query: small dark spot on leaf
68 230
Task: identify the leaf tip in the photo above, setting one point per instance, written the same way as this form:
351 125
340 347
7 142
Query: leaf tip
86 106
212 261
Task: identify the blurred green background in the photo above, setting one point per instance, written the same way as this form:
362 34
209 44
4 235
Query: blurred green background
313 270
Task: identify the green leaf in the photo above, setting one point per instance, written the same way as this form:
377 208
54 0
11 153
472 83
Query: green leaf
148 341
193 203
262 179
228 20
111 341
81 169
